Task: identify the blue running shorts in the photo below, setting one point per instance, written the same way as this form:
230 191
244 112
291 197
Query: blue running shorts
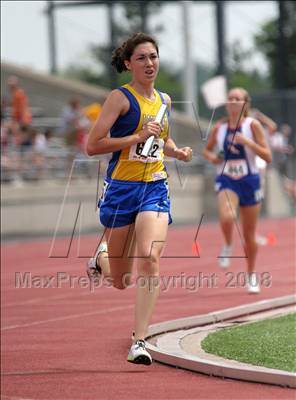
121 201
247 188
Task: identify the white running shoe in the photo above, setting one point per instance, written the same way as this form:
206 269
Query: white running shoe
138 353
253 284
92 268
224 260
261 240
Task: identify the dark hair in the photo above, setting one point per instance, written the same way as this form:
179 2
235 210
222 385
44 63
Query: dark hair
125 51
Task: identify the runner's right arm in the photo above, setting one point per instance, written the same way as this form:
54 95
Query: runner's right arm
208 152
99 142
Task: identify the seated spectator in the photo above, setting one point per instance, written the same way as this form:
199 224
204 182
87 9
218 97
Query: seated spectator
27 137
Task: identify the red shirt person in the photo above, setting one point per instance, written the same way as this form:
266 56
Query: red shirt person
20 110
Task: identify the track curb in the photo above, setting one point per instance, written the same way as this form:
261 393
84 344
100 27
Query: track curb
176 356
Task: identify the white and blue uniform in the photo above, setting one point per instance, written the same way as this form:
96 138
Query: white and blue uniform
239 171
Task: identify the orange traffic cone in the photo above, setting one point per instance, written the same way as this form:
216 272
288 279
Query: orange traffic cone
271 239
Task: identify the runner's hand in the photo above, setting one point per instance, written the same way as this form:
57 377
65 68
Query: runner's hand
150 129
215 159
184 154
240 139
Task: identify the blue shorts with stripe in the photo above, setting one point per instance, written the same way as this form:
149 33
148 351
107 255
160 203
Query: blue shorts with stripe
121 201
247 188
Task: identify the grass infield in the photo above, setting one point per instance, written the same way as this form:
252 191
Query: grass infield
269 343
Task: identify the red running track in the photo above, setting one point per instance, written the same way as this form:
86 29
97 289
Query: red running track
71 343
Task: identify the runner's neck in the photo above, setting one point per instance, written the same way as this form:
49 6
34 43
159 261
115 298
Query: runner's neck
144 91
233 122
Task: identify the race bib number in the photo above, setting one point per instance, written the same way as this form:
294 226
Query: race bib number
155 153
236 169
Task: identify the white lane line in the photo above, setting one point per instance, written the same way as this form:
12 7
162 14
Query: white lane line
42 371
208 262
74 316
47 299
3 396
41 299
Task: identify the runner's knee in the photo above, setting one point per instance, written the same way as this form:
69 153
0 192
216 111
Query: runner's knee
149 265
250 239
227 217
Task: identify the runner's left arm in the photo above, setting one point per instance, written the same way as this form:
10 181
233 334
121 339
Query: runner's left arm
259 144
170 147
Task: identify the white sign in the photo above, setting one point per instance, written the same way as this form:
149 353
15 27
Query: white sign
214 91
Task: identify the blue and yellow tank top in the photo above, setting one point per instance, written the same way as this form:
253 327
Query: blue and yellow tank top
127 164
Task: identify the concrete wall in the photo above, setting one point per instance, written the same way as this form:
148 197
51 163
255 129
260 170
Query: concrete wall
41 209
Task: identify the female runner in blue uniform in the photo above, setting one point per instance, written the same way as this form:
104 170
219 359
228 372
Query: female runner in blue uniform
135 205
233 146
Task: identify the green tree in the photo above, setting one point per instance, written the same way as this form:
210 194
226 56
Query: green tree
267 41
239 72
167 80
134 12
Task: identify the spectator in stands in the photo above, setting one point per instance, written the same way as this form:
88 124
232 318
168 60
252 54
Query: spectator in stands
75 126
92 111
27 135
18 127
38 157
3 110
279 143
4 126
20 110
47 154
74 123
290 188
4 138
